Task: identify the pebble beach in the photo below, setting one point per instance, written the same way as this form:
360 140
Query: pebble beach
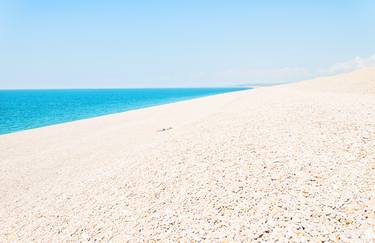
292 162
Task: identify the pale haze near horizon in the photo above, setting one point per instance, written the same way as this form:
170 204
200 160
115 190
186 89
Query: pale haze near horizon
93 44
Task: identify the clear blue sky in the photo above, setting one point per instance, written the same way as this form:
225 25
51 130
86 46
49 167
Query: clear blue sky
67 44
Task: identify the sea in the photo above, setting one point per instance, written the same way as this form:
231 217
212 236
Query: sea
27 109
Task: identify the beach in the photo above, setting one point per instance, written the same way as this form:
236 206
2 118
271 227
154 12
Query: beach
289 162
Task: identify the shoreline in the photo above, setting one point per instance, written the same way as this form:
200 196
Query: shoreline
131 109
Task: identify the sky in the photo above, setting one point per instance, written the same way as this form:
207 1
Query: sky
195 43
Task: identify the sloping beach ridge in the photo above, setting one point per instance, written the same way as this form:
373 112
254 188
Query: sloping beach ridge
291 162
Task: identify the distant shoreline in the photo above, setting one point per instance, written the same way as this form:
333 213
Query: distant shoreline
57 106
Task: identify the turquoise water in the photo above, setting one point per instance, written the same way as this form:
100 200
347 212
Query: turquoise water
26 109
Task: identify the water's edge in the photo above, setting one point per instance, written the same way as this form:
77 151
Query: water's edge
29 109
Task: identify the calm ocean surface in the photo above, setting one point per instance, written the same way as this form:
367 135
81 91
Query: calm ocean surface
26 109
